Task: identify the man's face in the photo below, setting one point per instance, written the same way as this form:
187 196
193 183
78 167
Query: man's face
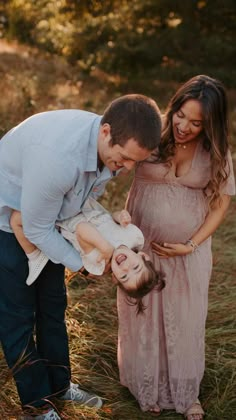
117 157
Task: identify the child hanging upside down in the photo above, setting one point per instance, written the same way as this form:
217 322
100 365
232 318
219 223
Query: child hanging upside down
101 239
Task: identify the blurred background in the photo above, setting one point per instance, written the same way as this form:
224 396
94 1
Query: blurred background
120 46
163 38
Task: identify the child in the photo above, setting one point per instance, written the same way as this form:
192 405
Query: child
101 239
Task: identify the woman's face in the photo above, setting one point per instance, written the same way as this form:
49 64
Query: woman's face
187 122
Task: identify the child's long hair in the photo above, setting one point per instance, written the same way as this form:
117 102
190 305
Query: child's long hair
212 97
153 280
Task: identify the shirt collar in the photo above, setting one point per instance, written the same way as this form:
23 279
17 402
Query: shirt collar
91 163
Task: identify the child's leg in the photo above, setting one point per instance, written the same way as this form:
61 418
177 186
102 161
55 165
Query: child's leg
16 225
37 260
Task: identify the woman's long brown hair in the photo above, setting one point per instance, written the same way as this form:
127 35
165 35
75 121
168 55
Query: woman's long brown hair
212 97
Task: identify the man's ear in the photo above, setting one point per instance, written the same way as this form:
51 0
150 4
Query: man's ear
144 255
105 130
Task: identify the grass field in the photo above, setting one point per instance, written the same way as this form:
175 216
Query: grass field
31 82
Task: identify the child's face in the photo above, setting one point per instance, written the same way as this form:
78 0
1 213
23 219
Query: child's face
128 266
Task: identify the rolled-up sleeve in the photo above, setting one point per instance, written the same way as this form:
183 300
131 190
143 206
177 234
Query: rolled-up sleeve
45 182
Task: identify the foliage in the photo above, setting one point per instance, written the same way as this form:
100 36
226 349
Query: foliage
166 38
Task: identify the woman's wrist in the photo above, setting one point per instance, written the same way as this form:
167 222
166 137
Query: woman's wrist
192 245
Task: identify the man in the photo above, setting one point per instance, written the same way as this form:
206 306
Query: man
49 165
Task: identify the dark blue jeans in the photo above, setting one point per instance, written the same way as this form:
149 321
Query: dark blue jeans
32 326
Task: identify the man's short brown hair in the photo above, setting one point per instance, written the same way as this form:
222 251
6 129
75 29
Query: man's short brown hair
134 116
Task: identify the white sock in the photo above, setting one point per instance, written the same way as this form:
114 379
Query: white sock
33 255
37 261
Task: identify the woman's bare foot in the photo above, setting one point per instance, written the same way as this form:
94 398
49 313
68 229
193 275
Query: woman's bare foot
155 411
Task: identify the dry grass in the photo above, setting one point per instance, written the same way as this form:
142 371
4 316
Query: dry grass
31 82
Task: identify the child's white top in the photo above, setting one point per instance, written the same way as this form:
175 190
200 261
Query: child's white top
130 236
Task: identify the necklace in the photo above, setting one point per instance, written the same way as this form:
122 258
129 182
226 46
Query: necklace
181 146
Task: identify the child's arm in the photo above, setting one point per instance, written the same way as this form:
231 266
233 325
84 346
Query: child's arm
122 217
89 238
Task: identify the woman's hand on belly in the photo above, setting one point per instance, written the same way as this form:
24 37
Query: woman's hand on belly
171 250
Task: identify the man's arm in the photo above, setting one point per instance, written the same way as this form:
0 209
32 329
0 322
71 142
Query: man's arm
45 181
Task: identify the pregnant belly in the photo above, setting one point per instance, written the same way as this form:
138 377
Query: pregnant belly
168 214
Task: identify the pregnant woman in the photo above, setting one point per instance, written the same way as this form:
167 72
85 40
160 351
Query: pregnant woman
178 199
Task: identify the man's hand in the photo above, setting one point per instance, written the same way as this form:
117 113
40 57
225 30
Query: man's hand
83 272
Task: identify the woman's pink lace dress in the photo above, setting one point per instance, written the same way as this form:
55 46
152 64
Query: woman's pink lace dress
161 353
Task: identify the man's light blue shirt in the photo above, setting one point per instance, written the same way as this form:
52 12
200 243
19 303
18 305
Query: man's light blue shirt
48 167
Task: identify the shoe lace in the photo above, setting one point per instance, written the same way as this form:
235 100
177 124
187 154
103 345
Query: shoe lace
52 415
78 394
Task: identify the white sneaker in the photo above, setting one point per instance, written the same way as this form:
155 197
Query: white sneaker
50 415
78 395
35 267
